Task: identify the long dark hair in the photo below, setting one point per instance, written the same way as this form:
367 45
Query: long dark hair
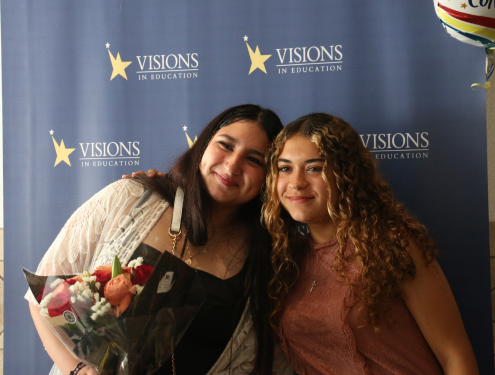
185 173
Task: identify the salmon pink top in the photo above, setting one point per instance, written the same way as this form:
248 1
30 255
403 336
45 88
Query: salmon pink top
323 331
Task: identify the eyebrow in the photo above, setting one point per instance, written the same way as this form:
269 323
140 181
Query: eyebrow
251 150
307 161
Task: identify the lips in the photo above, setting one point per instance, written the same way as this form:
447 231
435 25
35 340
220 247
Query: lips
224 180
298 199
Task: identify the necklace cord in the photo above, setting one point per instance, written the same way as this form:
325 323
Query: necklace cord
184 247
315 276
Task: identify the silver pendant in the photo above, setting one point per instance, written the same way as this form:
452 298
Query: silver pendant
312 286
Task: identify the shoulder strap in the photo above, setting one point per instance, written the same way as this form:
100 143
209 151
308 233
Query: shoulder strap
177 213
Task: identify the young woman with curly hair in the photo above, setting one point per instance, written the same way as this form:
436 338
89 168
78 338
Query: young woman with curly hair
361 293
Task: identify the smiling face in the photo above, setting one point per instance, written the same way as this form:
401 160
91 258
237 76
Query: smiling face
233 165
300 185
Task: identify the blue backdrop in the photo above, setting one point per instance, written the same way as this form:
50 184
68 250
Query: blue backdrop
96 88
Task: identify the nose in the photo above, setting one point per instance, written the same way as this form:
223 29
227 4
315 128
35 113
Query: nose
233 164
297 180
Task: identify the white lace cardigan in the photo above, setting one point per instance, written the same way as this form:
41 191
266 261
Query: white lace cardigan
114 222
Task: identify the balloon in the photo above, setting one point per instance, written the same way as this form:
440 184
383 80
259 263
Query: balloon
472 22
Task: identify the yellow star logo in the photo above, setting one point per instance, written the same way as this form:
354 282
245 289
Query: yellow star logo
189 141
257 59
463 5
118 65
62 152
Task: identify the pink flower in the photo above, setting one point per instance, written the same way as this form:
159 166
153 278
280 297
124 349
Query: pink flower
59 304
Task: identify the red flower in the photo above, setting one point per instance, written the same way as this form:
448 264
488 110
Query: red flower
102 277
104 274
59 304
39 297
142 274
73 280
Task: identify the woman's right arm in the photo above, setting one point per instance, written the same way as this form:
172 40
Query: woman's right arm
72 252
57 351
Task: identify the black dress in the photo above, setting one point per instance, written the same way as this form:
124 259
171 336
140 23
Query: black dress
214 324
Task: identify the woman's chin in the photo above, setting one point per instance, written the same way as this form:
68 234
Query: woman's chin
300 217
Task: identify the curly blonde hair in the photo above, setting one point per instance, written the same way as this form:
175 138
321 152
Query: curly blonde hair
367 214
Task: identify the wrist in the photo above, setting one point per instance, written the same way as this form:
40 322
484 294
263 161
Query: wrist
78 368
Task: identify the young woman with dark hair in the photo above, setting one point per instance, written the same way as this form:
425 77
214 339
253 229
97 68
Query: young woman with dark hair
361 293
222 238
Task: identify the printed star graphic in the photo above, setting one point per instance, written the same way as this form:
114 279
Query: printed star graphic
184 128
107 45
257 59
51 132
62 152
245 38
463 5
190 142
118 66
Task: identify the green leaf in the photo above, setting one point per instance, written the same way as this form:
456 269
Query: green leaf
116 267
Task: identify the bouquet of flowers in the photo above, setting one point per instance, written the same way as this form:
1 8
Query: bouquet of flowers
121 320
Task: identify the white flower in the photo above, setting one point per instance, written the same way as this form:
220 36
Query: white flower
73 299
56 282
139 289
100 309
97 284
103 300
44 312
81 298
72 288
136 262
87 293
44 302
96 296
93 279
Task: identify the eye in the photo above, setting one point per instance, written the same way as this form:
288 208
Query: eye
225 145
314 168
255 160
283 168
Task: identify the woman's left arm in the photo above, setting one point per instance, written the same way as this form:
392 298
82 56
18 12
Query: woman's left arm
432 304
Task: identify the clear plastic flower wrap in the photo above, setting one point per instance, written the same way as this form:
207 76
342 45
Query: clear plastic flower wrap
121 320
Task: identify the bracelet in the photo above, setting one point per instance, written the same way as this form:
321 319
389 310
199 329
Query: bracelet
76 370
